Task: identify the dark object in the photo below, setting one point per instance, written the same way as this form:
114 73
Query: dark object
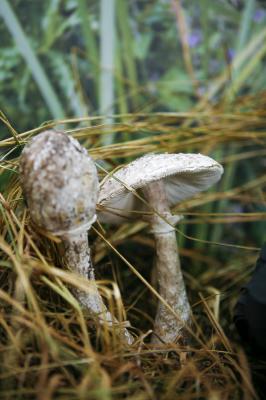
250 310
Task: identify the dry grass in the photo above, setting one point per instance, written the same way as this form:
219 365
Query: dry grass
51 349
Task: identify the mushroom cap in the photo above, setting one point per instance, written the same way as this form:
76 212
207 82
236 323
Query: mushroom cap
60 183
183 174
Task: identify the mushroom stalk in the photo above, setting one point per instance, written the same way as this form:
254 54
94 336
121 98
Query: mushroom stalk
170 278
77 258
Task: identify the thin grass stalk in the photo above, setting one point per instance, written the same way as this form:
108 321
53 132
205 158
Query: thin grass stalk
242 37
107 64
202 230
203 4
32 61
241 78
183 32
127 48
121 97
68 84
245 25
255 42
9 126
89 43
120 86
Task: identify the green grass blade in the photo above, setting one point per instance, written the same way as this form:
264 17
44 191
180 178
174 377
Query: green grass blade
120 84
127 42
246 72
91 49
66 81
255 42
31 59
245 25
205 30
107 63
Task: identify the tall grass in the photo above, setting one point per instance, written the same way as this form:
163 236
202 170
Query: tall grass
107 62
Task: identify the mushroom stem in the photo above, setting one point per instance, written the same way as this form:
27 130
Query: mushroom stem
77 257
171 284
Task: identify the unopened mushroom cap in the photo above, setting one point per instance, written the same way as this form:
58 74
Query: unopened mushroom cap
184 175
59 182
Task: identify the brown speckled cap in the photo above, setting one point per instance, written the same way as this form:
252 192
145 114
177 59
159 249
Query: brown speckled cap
59 182
184 176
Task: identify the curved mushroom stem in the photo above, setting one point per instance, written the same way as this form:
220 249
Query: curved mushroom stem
171 284
77 257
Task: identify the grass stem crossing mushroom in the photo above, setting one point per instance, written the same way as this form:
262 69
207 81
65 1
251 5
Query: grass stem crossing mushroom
165 180
60 185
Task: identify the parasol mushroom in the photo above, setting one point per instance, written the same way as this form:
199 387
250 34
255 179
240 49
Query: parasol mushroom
60 185
165 180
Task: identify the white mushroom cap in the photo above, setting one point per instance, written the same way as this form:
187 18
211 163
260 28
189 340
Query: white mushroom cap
184 175
59 182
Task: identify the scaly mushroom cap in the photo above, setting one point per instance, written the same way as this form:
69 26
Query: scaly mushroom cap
184 175
59 182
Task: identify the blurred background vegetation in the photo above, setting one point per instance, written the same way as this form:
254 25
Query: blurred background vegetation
127 78
166 57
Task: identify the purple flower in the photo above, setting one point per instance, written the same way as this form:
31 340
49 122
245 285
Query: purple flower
259 15
194 38
230 54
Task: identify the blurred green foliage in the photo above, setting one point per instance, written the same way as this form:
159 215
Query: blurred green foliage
150 72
